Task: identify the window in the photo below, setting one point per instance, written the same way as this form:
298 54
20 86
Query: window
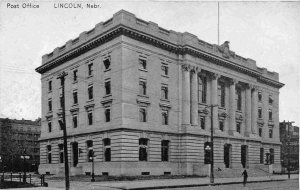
270 115
75 122
143 115
207 152
270 133
49 126
50 105
143 64
75 97
60 123
142 87
49 156
260 132
107 150
259 113
202 122
107 115
270 100
261 160
164 69
164 92
50 86
164 150
107 88
75 75
238 127
143 149
202 89
106 63
221 89
239 99
61 153
221 125
259 96
90 118
90 69
164 118
90 150
271 156
61 101
90 92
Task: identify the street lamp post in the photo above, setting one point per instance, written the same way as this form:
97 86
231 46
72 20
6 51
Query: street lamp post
92 158
24 157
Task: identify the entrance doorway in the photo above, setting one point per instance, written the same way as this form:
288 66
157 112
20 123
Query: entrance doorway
75 153
227 155
244 155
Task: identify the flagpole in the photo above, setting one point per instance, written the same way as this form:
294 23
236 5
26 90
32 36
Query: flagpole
218 24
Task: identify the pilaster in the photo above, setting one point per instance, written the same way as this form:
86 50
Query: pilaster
248 111
194 96
186 94
214 100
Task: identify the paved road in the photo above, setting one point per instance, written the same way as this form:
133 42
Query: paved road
276 185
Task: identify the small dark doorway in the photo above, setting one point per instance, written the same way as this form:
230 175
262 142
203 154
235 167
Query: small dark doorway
75 153
244 155
227 155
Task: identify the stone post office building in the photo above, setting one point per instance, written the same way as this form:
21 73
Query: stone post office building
140 97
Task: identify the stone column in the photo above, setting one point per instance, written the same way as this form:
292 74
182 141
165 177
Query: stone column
194 96
186 94
248 111
214 100
254 110
232 107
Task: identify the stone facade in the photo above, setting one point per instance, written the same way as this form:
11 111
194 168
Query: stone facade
144 100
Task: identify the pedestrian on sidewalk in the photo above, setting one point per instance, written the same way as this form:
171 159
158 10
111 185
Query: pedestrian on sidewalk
245 174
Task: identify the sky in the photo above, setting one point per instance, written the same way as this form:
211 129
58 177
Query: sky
267 32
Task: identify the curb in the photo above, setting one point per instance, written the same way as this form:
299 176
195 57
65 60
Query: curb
199 185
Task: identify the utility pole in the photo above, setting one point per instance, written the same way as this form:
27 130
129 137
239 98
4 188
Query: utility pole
63 125
212 147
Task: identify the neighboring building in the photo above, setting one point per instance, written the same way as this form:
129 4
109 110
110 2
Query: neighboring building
17 136
140 96
291 151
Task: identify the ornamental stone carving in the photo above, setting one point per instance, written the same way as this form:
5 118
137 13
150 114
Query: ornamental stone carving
186 67
224 49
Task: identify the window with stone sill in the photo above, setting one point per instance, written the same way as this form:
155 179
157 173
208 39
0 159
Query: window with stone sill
271 156
90 92
107 115
270 115
164 69
165 118
50 86
75 121
270 133
75 75
260 113
202 89
238 127
90 118
143 64
61 153
75 97
221 125
61 101
164 150
49 126
202 122
90 69
164 92
270 100
259 96
221 93
143 149
261 156
107 87
239 99
142 87
143 115
49 155
260 132
106 63
107 150
50 105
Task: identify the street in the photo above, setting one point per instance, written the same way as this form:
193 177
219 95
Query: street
276 185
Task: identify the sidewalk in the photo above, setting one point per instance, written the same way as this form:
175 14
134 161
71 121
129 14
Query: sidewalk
158 184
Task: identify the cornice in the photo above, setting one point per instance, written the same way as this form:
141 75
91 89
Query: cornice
121 29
